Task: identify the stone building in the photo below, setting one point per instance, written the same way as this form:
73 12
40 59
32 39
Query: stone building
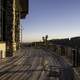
11 11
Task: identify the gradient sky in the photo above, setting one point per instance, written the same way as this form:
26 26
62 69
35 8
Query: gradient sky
56 18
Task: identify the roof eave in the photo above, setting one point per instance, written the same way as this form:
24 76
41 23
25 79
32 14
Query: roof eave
24 8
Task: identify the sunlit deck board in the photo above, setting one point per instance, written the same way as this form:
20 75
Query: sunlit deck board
33 65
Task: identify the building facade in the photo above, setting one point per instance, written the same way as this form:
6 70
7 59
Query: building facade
11 12
0 19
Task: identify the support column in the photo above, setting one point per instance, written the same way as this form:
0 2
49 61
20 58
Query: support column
13 31
17 25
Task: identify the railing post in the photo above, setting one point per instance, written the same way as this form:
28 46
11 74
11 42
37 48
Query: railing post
73 58
77 57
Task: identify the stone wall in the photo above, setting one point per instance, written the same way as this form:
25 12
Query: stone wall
2 50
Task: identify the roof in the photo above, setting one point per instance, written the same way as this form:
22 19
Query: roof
24 8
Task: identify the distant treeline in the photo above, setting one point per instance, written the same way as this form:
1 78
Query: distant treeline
72 42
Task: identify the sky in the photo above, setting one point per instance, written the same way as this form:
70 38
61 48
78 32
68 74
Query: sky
55 18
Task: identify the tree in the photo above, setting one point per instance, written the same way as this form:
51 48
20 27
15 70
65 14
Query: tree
46 37
43 38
